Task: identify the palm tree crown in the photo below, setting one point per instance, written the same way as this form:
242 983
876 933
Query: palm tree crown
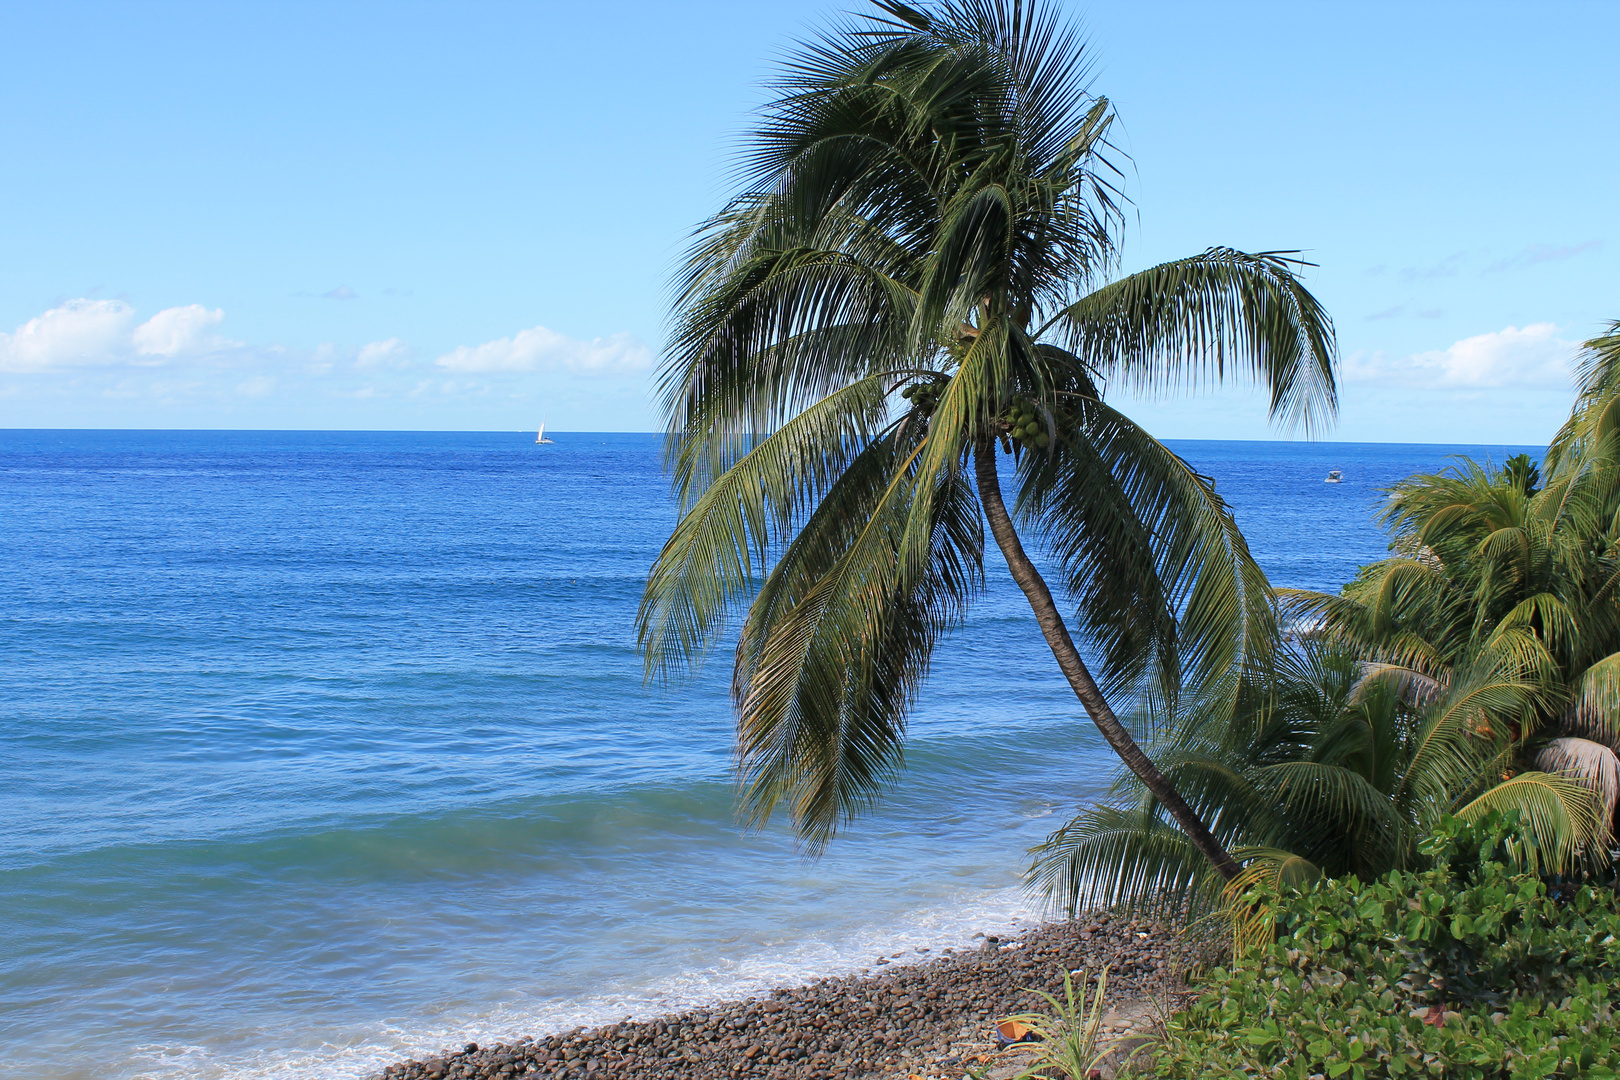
1490 571
1475 669
917 274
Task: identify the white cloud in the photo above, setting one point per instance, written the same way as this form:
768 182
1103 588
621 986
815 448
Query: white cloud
178 331
540 349
78 332
382 354
89 333
1533 357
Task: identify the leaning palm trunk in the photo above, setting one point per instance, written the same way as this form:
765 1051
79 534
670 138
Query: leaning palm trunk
1074 668
918 272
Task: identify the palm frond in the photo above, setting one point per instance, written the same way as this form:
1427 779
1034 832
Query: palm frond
1225 312
755 347
1464 741
1335 796
1220 785
1592 764
1314 793
720 546
1113 856
1548 616
1561 816
1163 576
1270 870
1595 711
1595 417
823 685
1274 868
1410 685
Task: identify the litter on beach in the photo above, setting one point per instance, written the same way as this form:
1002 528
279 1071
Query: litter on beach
1011 1032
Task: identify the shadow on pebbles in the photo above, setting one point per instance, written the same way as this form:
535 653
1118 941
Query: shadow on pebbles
927 1019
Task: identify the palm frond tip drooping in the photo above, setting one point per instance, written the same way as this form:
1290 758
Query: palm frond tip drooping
929 192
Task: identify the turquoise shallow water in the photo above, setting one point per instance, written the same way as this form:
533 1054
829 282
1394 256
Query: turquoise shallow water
323 748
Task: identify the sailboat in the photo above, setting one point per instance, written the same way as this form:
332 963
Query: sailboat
540 437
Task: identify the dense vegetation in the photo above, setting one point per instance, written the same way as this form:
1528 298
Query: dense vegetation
917 284
1476 669
1469 968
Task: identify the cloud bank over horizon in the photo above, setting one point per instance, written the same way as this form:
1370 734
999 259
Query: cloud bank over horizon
540 349
1533 357
94 333
98 362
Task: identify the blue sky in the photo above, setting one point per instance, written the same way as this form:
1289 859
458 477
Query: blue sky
463 216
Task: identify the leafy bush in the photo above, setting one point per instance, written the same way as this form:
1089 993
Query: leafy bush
1471 968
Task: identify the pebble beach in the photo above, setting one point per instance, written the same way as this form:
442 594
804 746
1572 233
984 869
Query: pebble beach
915 1015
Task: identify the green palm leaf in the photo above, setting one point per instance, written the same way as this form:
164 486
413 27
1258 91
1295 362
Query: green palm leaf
1595 711
1561 815
1231 310
926 186
716 553
1110 856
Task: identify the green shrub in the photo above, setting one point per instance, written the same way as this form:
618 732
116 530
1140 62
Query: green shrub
1468 969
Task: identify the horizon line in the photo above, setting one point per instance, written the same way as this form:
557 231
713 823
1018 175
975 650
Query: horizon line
584 431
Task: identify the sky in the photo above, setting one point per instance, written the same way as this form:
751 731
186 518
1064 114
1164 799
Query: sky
464 216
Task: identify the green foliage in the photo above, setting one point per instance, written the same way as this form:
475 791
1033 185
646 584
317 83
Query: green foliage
921 267
1476 669
1070 1042
1520 472
1316 769
1471 968
1508 570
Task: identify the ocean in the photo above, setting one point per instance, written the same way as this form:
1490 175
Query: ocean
323 749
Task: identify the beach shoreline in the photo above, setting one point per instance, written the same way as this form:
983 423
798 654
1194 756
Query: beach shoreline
934 1019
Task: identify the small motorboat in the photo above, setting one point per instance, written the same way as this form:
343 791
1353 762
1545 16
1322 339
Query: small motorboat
1334 476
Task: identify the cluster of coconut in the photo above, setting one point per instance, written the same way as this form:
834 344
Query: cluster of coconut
924 396
1025 424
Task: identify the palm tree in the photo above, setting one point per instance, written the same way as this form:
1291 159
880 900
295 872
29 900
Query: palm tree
1478 668
915 277
1488 570
1314 769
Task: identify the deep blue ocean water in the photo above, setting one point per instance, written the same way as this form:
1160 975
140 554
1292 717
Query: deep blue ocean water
319 749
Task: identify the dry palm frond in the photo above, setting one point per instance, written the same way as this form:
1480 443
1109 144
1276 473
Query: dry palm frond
1410 685
1254 924
1591 763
